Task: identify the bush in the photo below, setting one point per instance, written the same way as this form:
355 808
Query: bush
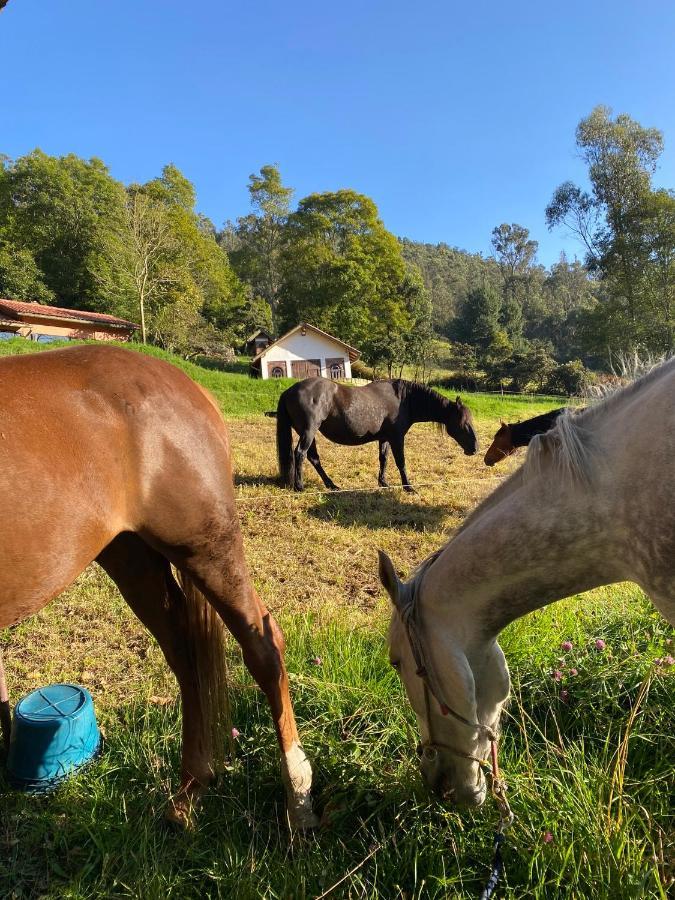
361 370
458 382
570 379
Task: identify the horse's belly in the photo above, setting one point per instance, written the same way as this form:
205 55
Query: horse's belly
345 432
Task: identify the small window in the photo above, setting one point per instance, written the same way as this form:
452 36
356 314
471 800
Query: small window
276 369
335 367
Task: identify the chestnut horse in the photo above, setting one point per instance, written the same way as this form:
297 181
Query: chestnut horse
112 456
594 504
508 438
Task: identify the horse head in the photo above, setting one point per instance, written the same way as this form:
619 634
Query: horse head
459 425
456 686
501 446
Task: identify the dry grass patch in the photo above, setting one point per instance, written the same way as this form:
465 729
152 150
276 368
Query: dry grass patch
311 554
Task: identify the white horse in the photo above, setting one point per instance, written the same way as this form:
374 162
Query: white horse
594 504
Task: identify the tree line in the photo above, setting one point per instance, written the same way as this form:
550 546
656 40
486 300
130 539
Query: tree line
70 234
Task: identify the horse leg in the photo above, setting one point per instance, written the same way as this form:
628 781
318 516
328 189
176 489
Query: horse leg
301 450
313 457
399 458
227 585
384 455
144 579
5 709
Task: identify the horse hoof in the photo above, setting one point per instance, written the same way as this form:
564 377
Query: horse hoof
332 487
409 489
303 819
179 815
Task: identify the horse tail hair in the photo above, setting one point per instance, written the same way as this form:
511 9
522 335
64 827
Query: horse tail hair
206 643
5 709
285 445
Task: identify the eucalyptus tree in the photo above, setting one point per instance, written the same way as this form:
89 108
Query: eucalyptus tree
615 220
255 244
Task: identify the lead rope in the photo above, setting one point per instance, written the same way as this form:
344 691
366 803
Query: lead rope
490 769
498 788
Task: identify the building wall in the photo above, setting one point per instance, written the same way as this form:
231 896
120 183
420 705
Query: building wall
67 330
301 347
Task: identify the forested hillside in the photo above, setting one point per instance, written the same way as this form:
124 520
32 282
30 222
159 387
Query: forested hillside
70 234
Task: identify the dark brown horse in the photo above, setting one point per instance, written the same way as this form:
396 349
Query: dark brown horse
131 464
381 411
510 437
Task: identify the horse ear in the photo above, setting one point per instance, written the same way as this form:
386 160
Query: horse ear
458 401
388 577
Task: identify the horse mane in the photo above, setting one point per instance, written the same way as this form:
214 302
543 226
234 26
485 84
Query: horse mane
570 447
425 397
406 389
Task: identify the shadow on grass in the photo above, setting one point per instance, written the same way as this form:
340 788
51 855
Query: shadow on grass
255 480
379 510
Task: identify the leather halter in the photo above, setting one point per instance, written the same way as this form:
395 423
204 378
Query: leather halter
410 618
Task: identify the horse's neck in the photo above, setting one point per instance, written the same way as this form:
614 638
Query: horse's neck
426 406
523 432
521 554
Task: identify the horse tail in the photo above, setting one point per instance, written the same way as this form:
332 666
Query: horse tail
5 709
205 638
285 444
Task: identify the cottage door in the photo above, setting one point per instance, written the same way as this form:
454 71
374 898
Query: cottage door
306 368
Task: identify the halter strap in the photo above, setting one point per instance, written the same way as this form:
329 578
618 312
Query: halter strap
410 618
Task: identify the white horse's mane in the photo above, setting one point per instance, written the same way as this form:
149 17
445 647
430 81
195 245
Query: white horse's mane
569 447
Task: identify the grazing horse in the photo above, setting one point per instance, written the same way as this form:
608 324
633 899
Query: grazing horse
509 437
112 456
381 411
571 519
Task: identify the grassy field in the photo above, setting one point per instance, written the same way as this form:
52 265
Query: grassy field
589 758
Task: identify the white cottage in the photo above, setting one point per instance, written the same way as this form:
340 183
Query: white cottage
304 351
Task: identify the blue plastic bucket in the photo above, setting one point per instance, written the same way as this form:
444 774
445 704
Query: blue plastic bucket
54 733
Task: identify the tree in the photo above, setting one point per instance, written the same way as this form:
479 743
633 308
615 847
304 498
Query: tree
255 245
69 214
20 278
514 250
343 271
478 320
152 244
184 284
614 223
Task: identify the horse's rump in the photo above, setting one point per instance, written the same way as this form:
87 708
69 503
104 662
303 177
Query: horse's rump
88 435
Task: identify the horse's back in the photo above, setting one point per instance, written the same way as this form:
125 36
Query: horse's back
344 414
95 440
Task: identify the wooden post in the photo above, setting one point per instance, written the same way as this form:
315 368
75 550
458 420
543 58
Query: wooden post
5 710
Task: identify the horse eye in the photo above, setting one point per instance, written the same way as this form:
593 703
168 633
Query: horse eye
396 663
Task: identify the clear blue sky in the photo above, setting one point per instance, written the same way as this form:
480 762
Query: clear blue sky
454 117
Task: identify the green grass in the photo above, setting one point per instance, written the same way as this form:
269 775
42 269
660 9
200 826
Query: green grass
239 395
102 836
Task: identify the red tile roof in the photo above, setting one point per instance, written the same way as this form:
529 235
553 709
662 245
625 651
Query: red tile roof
18 309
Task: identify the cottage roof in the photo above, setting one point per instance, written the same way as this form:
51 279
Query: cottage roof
19 310
258 333
352 351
